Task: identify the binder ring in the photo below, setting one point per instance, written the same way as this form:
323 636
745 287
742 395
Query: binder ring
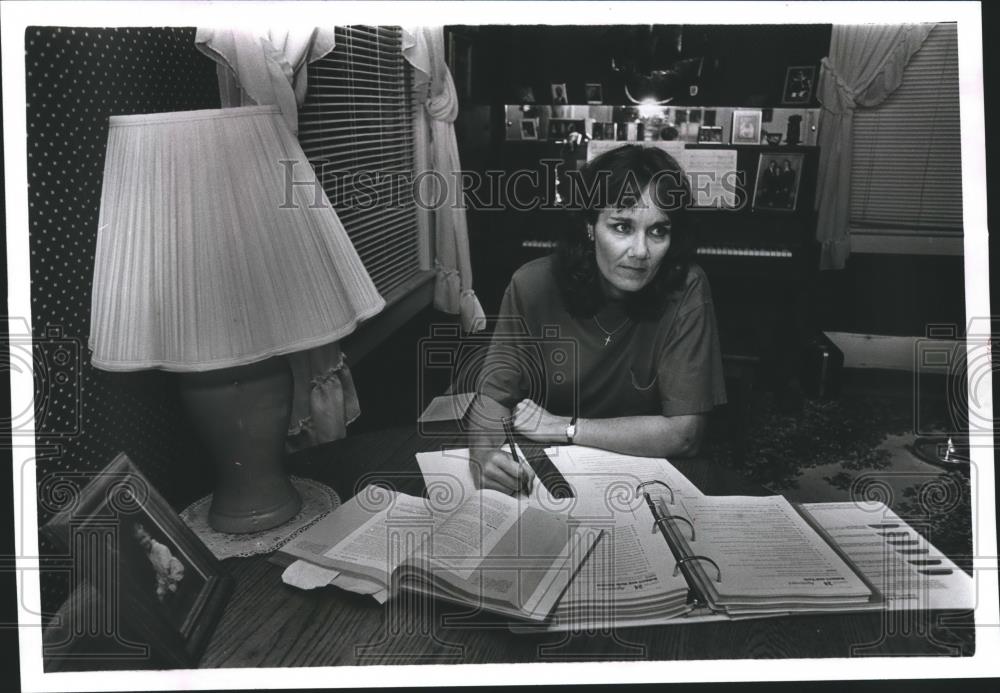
664 518
655 481
718 576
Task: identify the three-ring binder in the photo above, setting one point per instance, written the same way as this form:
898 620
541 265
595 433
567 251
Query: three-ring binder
655 481
685 559
666 524
665 518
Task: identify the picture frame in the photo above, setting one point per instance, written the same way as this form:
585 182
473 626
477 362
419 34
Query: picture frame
799 83
559 94
710 134
602 131
560 128
167 589
779 175
594 92
529 128
746 127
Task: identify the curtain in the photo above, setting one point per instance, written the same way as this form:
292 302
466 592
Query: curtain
268 67
423 48
864 67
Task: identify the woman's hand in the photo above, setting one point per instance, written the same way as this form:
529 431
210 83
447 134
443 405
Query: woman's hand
497 470
535 423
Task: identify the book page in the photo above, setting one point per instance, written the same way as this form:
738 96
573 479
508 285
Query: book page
909 571
386 538
461 542
764 549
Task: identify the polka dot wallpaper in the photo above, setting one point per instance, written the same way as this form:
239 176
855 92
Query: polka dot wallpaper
75 79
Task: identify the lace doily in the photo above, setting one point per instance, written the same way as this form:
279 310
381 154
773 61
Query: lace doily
317 500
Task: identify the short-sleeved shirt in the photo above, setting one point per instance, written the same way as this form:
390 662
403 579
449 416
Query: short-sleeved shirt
669 365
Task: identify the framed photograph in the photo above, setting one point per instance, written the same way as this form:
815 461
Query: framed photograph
778 178
710 133
799 83
529 128
560 128
559 97
165 586
594 92
746 127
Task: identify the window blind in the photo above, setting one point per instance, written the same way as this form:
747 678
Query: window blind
356 128
906 177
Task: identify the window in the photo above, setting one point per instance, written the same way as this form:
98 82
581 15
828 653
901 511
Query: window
356 128
906 178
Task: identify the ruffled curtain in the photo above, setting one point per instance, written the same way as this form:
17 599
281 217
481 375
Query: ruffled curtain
265 67
268 68
423 48
864 67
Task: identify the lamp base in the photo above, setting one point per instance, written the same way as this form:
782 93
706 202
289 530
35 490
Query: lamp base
242 414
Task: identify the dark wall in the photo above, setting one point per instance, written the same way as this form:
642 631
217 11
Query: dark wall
75 80
897 295
743 65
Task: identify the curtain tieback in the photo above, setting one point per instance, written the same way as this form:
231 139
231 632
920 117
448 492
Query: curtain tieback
844 93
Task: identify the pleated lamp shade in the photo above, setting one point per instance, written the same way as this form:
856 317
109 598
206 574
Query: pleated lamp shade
206 256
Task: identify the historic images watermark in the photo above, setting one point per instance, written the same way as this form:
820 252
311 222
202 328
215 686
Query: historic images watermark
547 187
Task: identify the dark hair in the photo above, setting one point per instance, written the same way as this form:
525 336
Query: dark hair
617 179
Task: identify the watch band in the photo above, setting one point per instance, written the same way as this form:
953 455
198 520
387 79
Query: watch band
571 431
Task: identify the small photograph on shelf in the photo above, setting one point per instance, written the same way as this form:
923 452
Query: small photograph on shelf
594 92
529 128
778 178
711 134
694 115
561 128
746 127
799 83
602 131
559 95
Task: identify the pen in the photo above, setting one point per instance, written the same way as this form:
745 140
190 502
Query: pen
508 430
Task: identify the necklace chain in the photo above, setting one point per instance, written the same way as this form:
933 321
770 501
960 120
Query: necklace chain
609 335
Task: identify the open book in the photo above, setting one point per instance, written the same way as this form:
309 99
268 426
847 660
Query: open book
492 551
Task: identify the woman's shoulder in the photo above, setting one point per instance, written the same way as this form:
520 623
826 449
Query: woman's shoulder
694 291
534 275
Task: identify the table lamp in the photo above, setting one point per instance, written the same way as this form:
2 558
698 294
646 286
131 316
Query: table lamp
211 263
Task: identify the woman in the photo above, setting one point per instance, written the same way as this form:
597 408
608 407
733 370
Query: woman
614 343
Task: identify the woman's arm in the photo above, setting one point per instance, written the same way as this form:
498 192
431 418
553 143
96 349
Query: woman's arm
643 436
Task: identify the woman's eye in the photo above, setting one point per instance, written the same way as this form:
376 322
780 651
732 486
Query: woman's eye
660 232
622 228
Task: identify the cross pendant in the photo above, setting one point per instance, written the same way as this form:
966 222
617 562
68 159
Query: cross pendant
607 340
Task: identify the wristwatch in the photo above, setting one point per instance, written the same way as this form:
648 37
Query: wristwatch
571 430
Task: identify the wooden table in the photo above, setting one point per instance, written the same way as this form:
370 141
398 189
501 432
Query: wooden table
269 624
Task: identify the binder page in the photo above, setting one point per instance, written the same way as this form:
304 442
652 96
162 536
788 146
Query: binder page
449 481
605 482
765 550
909 571
627 579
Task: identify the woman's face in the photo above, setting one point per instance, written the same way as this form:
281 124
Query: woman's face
630 244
